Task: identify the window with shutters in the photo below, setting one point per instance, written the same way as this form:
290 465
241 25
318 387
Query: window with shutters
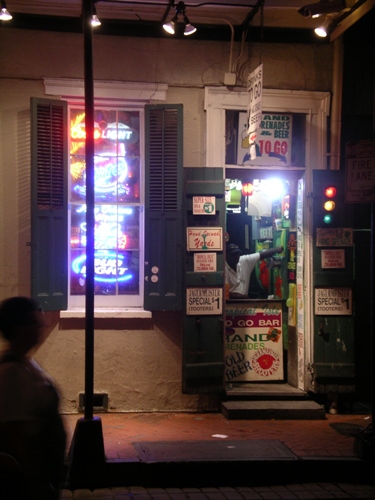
138 196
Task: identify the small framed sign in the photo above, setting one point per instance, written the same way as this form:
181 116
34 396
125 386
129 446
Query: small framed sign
204 238
333 301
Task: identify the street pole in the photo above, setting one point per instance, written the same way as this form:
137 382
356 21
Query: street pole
87 449
90 206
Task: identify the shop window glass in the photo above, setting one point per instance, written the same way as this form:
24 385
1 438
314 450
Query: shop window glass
118 224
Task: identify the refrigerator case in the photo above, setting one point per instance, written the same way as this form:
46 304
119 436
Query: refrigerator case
279 267
262 271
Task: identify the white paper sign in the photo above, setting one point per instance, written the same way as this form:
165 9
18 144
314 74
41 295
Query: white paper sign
333 301
333 259
204 238
205 262
254 92
204 205
204 301
254 109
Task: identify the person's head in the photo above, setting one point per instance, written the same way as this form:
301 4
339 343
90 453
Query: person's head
21 322
233 254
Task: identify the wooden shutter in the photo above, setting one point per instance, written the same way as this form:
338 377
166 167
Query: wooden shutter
203 335
163 216
49 246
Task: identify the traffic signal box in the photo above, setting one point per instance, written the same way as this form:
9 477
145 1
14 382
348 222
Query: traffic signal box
333 357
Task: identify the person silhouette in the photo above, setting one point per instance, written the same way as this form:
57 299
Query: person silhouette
238 268
31 428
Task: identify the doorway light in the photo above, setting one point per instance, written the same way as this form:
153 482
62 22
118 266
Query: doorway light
4 13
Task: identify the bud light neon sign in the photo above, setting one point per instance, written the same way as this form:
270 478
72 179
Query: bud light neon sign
109 267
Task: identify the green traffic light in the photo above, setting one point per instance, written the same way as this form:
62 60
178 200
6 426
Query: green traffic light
327 218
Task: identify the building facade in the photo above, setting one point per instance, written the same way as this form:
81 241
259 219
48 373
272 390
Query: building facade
138 351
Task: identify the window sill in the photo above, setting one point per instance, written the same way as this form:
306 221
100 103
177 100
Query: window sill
107 319
108 313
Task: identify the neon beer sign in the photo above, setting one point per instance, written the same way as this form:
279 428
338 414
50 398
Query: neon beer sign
109 267
103 130
110 235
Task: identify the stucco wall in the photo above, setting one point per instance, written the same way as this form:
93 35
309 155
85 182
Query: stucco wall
139 369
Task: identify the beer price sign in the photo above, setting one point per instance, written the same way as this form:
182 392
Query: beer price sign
204 301
204 205
333 301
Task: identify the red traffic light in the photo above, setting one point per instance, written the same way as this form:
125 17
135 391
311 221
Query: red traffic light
330 192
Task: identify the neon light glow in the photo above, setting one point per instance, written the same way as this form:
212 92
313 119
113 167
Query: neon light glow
109 267
109 175
117 212
112 131
110 227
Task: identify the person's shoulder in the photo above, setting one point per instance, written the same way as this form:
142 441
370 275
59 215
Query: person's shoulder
12 369
250 257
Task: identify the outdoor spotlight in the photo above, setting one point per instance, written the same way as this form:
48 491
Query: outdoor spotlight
95 21
189 28
170 27
4 13
322 7
323 29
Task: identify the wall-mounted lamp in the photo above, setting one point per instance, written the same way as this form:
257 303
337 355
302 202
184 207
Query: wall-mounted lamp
170 27
95 21
322 7
4 13
323 29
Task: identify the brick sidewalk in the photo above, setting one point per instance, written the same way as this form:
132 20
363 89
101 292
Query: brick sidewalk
305 438
310 440
308 491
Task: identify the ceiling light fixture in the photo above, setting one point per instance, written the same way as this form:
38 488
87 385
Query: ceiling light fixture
170 27
323 29
322 7
4 13
95 21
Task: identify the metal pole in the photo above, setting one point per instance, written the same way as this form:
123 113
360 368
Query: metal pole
87 10
372 312
88 464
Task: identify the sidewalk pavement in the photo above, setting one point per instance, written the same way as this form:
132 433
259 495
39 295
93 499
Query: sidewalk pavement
155 456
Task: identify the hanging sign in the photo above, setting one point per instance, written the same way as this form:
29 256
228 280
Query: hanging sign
360 172
204 301
333 301
254 107
253 341
204 205
204 238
